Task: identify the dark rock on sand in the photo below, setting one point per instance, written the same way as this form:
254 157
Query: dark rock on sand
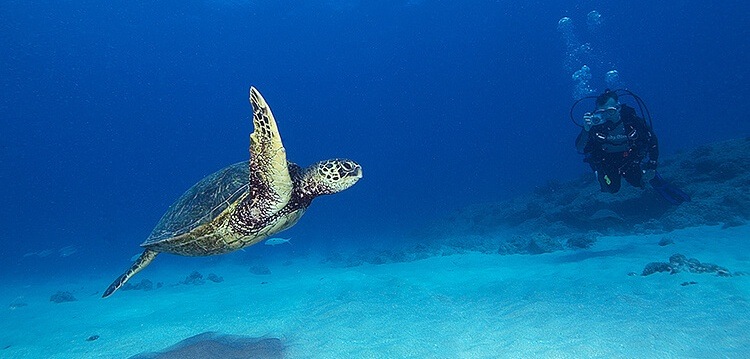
61 297
692 265
665 241
17 303
581 241
144 284
535 243
260 269
407 253
680 263
656 267
194 278
215 278
678 260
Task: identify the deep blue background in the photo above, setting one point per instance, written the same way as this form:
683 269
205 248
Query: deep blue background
110 110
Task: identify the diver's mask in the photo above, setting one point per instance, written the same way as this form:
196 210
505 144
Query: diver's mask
602 115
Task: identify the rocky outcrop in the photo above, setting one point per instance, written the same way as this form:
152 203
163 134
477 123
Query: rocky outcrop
574 213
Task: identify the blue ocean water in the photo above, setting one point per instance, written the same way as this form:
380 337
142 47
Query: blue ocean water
110 110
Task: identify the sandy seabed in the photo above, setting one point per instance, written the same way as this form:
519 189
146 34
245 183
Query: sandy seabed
566 304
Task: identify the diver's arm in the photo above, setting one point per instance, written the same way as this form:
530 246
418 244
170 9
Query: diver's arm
582 141
653 146
649 141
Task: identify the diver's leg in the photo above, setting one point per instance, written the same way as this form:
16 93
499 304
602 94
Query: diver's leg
616 179
634 175
600 176
609 181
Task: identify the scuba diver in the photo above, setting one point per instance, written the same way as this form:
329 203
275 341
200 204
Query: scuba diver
618 143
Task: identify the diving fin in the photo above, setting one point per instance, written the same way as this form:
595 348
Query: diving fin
668 191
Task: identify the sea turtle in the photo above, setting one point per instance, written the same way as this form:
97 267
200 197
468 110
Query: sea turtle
244 203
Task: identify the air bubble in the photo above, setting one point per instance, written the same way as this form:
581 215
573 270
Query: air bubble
582 83
594 20
612 78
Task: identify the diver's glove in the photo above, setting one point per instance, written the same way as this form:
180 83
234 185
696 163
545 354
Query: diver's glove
649 170
587 123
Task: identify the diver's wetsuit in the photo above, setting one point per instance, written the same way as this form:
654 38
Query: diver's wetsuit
616 149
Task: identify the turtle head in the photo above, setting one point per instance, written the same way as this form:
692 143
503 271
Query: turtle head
330 176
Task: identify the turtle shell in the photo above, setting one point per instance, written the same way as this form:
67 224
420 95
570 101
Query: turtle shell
202 203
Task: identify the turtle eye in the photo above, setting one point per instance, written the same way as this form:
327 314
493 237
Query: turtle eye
347 166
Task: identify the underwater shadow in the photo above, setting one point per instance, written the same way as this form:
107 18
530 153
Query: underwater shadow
583 255
211 345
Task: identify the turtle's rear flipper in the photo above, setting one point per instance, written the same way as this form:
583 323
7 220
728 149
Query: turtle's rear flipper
142 261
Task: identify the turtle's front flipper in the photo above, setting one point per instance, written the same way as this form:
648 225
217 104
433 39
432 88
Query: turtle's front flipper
270 182
142 261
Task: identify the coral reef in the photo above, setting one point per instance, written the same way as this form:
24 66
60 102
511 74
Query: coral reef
574 213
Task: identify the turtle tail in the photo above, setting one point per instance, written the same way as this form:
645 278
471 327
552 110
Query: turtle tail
142 261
